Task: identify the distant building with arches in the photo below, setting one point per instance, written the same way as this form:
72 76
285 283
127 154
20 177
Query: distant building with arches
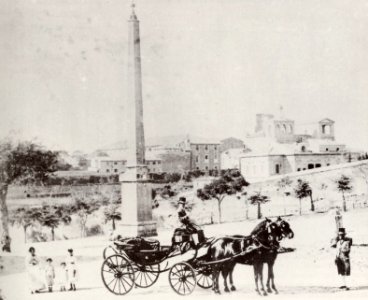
279 146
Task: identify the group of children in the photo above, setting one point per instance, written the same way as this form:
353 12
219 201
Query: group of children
66 276
68 273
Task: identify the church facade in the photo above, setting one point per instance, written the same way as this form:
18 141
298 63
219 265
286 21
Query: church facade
277 149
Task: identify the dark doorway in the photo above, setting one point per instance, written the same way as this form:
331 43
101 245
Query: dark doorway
310 166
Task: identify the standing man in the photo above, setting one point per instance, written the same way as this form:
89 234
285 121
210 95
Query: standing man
71 264
343 244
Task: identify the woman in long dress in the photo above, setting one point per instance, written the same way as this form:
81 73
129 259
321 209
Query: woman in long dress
33 269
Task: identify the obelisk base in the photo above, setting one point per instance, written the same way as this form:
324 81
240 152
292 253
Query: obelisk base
136 213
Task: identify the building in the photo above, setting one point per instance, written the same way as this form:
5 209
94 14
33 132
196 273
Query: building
280 159
159 159
276 148
231 143
230 159
204 154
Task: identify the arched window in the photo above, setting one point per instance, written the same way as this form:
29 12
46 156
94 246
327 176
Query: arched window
290 128
303 148
284 128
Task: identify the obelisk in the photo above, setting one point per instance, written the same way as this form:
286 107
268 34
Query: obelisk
135 189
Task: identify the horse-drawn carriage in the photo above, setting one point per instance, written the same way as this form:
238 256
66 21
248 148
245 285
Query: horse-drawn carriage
139 262
191 259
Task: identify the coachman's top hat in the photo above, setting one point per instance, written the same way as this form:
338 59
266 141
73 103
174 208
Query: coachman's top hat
342 231
182 200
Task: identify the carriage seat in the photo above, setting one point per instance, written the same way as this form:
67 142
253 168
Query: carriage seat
137 243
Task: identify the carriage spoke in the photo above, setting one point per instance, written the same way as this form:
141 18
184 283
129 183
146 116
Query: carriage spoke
148 276
119 286
108 271
111 281
141 277
190 282
122 283
176 274
115 285
145 278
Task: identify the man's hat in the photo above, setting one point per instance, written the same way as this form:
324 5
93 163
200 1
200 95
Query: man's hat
70 250
182 200
342 231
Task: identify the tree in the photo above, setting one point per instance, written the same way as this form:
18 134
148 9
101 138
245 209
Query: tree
343 185
83 208
25 217
283 184
303 190
258 199
25 163
230 183
112 214
52 216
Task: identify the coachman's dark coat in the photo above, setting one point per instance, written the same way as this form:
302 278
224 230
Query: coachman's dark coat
342 259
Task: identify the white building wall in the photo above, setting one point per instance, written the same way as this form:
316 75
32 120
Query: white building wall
254 168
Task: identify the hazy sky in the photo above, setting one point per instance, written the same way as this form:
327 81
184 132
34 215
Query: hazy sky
208 67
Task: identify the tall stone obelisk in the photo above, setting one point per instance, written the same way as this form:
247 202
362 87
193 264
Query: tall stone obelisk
135 189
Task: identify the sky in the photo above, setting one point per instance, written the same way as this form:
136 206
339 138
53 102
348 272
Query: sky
208 67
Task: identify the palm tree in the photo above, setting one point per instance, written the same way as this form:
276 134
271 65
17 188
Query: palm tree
303 190
25 217
52 216
283 185
343 185
258 199
112 214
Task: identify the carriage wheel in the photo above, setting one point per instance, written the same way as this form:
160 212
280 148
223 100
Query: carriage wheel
108 251
117 274
182 278
204 278
145 276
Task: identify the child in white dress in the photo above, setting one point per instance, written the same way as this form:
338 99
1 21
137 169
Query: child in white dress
50 274
63 277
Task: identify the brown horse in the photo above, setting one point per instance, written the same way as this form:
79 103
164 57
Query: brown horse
224 253
263 255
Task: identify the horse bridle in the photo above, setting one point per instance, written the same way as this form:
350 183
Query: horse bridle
267 228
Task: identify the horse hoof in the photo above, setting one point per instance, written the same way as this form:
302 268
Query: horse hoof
233 288
269 290
217 292
265 294
226 290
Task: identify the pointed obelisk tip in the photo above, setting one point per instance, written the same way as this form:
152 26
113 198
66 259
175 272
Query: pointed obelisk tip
133 15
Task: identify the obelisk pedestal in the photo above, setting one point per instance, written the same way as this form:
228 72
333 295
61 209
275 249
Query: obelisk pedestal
135 189
136 203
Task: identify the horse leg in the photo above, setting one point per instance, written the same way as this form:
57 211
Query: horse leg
261 279
225 273
269 277
231 278
217 276
273 278
256 277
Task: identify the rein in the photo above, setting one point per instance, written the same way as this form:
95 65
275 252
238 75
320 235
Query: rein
255 238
